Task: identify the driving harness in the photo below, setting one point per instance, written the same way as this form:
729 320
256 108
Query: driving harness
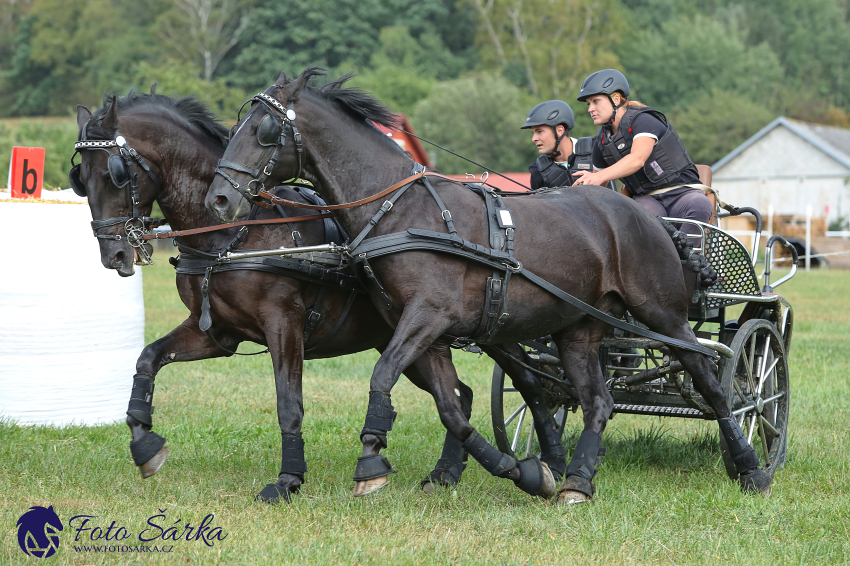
499 255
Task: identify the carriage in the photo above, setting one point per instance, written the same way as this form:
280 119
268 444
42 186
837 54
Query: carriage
645 378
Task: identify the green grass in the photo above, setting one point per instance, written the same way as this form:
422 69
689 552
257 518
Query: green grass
663 496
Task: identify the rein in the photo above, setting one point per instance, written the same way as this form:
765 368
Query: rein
192 231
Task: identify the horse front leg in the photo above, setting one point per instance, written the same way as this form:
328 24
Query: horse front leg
185 343
579 351
286 345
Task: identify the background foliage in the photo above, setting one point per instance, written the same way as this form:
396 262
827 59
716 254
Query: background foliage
721 69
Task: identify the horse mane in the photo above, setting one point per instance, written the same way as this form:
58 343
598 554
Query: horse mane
190 108
356 101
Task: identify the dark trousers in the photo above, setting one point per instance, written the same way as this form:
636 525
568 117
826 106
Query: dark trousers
685 202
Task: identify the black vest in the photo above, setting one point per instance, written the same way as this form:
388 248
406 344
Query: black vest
553 175
668 159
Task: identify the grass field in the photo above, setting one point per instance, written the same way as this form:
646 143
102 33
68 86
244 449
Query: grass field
663 496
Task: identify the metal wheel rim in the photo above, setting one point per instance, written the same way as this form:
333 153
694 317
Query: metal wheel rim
755 382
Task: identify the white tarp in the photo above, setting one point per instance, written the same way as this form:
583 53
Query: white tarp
70 330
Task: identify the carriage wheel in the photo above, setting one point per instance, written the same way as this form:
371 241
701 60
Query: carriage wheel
755 381
513 425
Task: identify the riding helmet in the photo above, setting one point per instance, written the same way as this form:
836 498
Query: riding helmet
607 81
550 113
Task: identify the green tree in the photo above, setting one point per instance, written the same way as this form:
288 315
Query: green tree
688 57
478 117
289 35
549 46
180 78
716 122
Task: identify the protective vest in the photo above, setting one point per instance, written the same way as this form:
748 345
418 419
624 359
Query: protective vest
668 159
553 175
583 150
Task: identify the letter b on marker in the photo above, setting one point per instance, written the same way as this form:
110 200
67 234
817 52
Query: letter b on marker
26 172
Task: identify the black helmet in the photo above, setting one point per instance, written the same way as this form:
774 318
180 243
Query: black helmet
607 82
550 113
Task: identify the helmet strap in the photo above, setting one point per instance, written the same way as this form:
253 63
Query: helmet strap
558 139
610 124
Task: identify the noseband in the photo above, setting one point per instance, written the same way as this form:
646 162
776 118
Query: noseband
271 134
123 174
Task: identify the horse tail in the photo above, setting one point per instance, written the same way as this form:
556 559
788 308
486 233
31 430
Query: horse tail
693 260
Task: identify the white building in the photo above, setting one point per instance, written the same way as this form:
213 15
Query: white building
789 164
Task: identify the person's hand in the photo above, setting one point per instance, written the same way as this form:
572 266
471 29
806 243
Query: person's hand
588 178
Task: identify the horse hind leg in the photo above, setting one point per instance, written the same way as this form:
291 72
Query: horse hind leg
529 387
579 350
703 372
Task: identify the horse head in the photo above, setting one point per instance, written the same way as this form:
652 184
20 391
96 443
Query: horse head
294 130
127 148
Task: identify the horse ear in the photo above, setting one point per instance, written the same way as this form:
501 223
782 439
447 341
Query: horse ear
110 118
281 80
298 85
83 116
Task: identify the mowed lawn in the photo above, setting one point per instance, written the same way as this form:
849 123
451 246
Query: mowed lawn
663 496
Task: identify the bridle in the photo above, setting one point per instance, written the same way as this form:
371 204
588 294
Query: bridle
123 174
271 134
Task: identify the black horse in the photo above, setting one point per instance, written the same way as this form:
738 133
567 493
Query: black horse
598 246
180 142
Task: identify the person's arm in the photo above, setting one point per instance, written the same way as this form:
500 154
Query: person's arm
641 149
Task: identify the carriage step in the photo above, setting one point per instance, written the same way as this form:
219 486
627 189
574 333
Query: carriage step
686 412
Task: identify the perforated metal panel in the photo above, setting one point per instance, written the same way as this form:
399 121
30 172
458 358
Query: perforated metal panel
732 262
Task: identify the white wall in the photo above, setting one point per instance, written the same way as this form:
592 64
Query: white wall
788 172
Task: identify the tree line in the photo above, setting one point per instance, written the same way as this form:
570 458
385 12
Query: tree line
465 72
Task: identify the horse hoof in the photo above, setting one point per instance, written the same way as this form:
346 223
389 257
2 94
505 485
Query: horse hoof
273 494
153 465
758 481
570 497
429 488
366 487
536 478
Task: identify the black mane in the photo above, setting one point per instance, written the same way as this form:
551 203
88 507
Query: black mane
190 108
355 101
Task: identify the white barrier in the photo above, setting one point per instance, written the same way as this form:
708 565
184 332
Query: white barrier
70 330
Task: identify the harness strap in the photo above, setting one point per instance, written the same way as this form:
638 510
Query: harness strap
332 332
314 315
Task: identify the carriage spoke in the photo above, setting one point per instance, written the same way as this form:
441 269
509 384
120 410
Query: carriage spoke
766 374
530 438
518 429
515 413
763 374
740 392
751 429
743 411
770 428
775 397
763 437
749 362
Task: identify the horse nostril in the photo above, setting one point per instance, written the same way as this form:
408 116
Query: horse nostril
220 200
118 258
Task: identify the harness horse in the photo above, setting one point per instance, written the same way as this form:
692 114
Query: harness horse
143 148
575 262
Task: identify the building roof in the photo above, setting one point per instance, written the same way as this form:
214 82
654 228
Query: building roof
407 142
834 142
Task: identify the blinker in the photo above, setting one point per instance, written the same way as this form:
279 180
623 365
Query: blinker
268 133
76 183
118 170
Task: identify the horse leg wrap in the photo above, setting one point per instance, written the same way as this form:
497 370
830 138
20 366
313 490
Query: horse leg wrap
533 478
371 467
490 458
582 466
146 447
379 417
742 453
744 456
551 450
451 464
141 399
292 459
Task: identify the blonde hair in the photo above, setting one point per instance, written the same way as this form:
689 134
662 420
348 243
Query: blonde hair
628 102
